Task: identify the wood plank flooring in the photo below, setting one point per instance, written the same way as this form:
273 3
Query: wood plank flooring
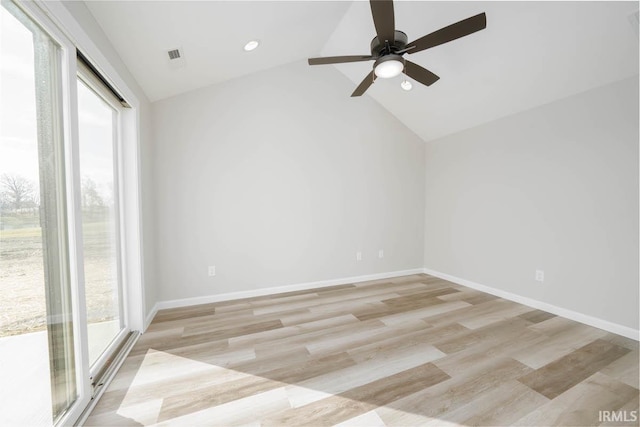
413 350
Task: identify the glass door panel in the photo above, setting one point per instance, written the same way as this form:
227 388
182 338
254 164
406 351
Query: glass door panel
98 136
38 368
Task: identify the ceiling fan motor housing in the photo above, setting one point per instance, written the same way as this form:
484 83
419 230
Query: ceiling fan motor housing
380 48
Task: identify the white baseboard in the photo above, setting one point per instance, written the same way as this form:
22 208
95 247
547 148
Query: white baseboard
615 328
207 299
150 316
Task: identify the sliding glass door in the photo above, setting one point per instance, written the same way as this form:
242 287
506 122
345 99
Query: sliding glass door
38 369
98 137
63 303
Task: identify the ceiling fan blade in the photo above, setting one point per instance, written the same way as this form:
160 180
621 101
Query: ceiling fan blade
339 59
362 87
447 34
420 74
383 19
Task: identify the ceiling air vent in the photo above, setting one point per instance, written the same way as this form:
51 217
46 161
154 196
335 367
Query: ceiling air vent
175 57
174 54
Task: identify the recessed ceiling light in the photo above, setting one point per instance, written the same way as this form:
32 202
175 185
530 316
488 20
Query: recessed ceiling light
251 45
406 85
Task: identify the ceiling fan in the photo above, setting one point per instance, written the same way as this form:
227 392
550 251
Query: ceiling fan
390 44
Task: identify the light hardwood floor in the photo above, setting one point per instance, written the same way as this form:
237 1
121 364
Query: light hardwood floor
414 350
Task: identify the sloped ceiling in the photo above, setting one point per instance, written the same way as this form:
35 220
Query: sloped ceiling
531 53
211 35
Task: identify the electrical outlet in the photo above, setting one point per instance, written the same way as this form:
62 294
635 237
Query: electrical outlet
381 253
358 256
539 275
212 270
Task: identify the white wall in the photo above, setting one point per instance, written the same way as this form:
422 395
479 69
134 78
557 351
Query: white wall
554 188
279 178
83 16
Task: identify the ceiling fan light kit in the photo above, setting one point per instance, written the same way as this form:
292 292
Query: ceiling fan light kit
390 44
389 66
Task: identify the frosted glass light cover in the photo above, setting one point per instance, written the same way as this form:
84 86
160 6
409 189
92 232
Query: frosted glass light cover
388 69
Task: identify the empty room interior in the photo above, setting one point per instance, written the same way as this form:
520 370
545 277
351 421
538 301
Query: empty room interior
319 213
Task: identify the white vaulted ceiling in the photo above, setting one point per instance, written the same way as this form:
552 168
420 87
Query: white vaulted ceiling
531 53
211 35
